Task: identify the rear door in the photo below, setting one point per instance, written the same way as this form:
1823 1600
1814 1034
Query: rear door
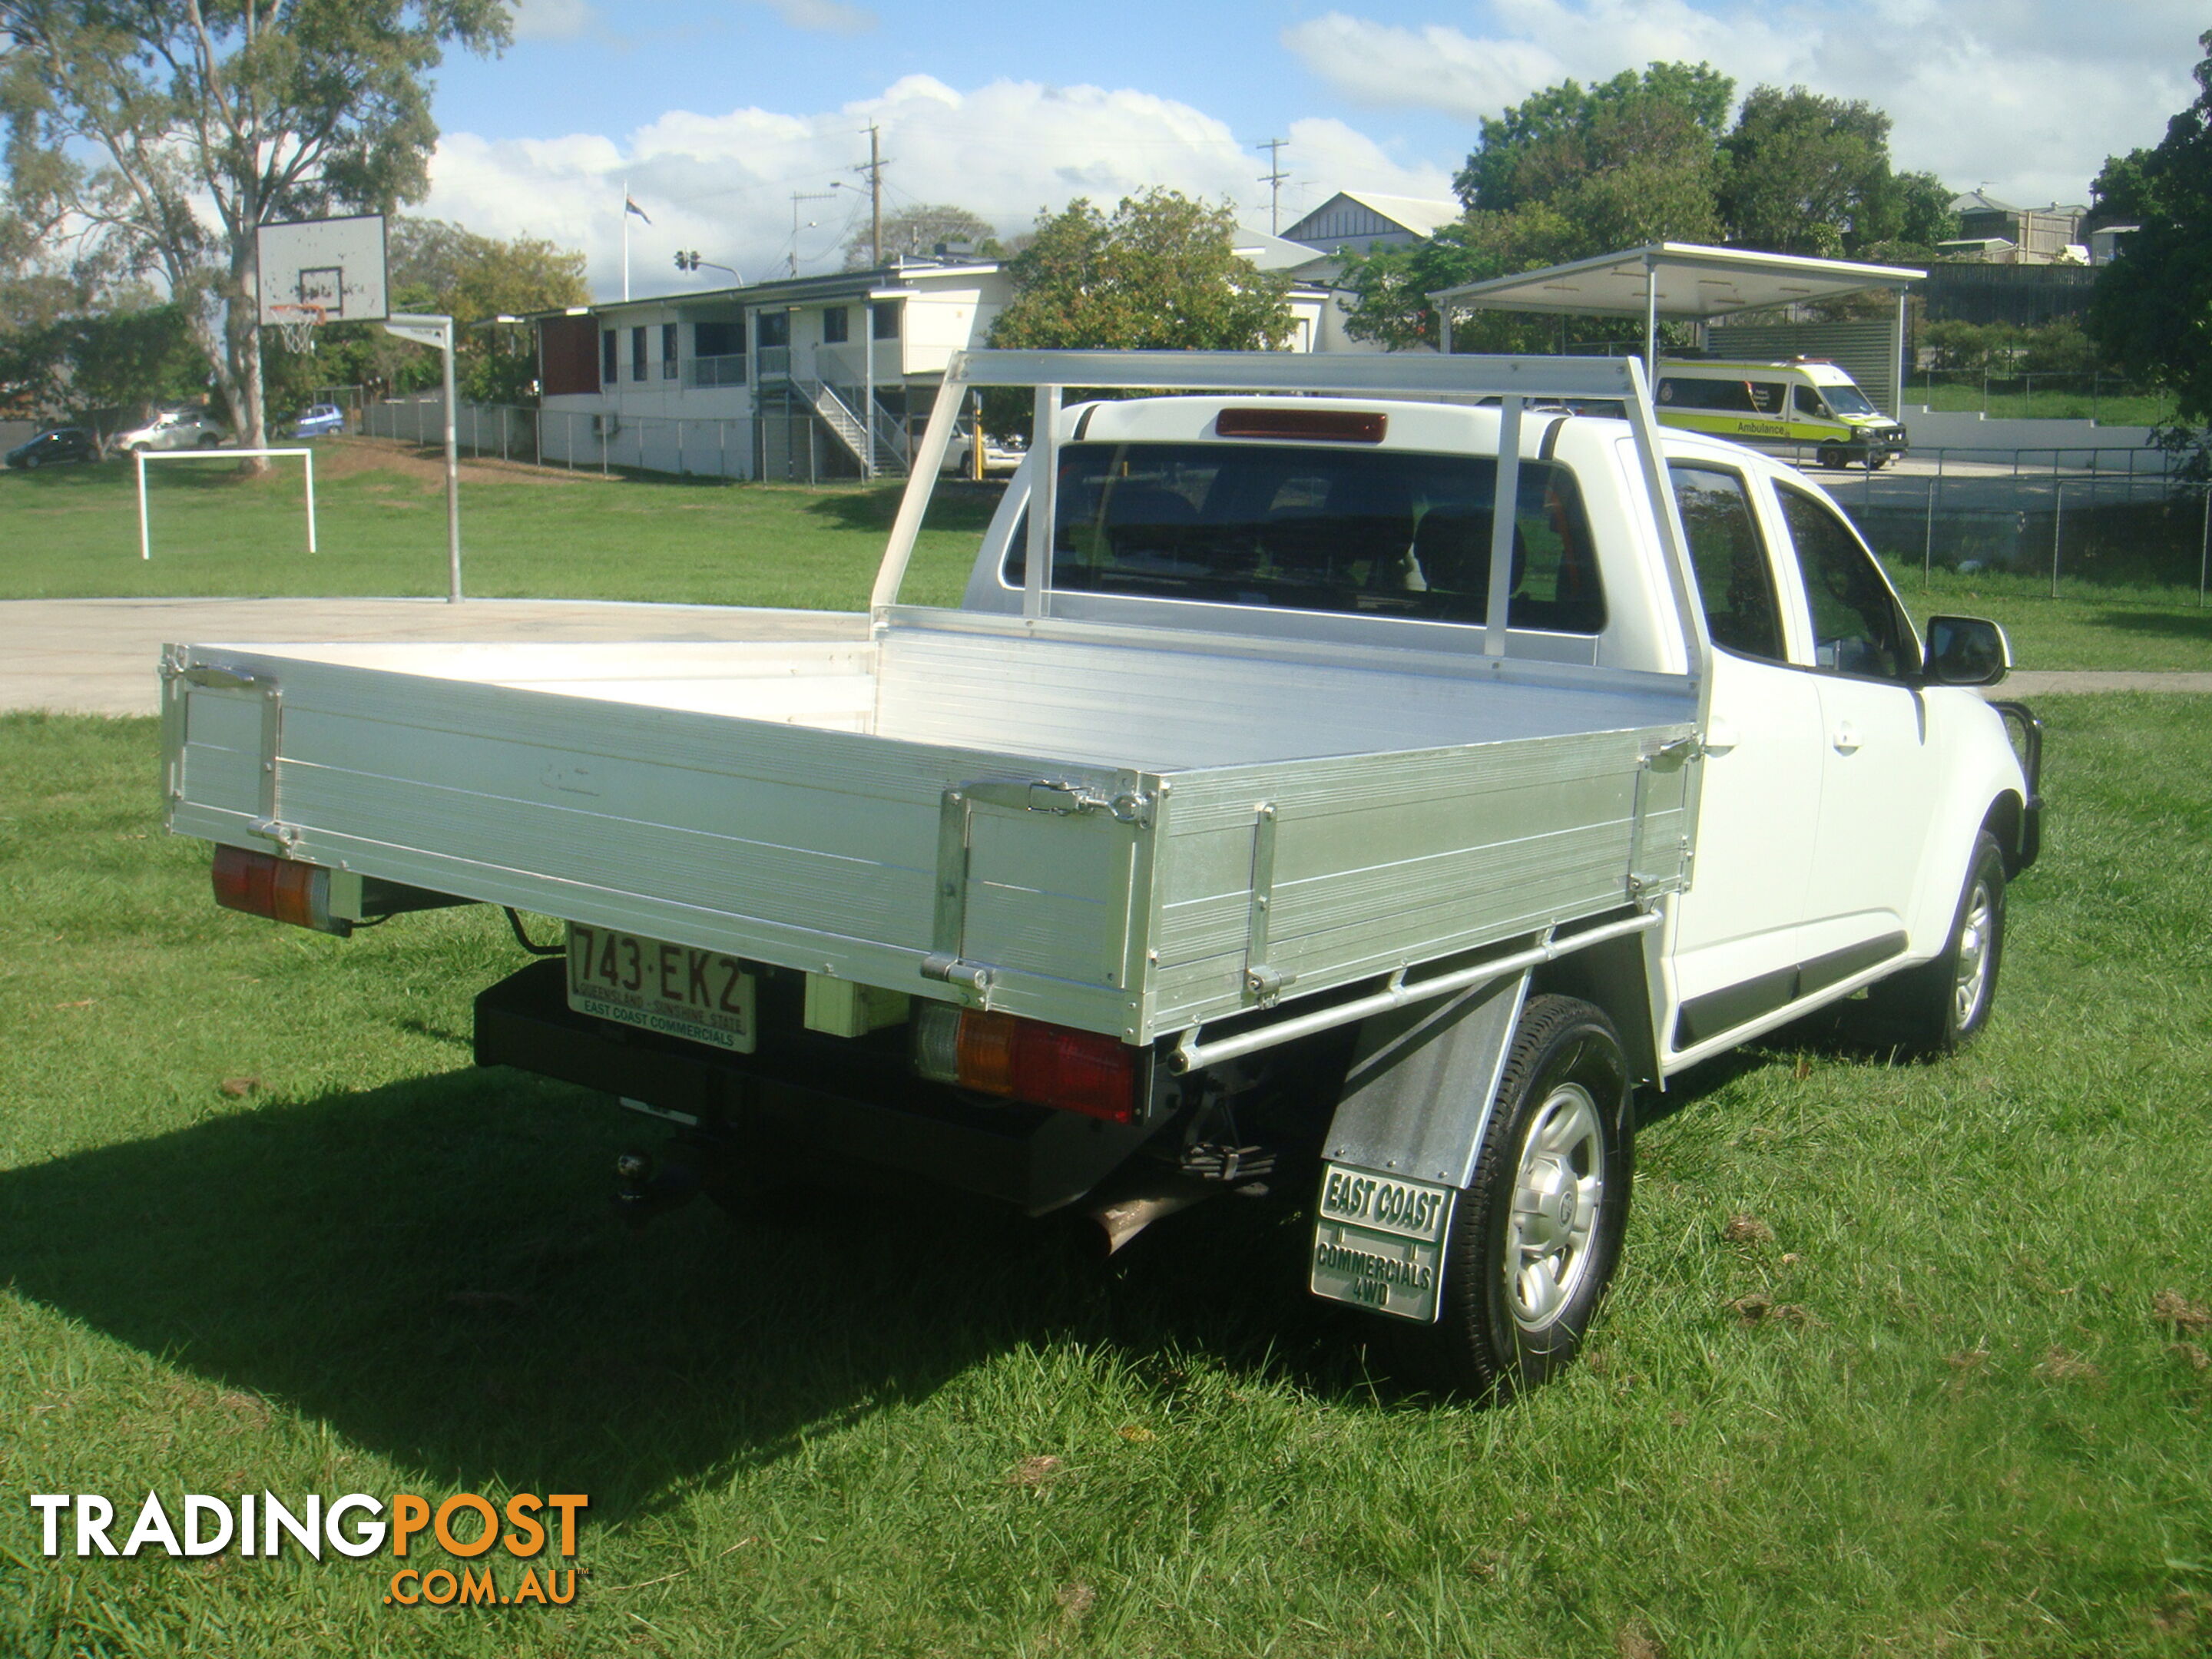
1735 939
1878 755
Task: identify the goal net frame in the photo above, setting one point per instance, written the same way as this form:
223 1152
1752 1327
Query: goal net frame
145 526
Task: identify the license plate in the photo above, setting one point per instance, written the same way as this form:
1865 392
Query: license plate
1379 1242
677 990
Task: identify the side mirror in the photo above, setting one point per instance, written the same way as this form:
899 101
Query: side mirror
1966 650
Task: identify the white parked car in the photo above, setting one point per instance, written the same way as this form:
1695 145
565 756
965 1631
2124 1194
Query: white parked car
1356 794
173 428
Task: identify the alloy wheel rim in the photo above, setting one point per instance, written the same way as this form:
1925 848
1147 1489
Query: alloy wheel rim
1558 1190
1970 980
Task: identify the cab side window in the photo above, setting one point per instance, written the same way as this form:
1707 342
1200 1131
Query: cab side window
1809 403
1856 626
1735 583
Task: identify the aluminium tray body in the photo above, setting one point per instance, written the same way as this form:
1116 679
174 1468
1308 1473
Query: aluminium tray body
1073 822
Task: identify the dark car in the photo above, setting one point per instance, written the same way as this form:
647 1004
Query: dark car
63 443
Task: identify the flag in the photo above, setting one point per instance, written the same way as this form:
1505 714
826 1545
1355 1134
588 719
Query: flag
629 205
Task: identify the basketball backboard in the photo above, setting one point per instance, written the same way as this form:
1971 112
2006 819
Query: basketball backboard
335 263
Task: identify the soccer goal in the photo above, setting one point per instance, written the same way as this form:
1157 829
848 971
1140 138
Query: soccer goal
145 523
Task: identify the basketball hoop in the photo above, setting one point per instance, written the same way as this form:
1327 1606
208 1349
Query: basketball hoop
298 324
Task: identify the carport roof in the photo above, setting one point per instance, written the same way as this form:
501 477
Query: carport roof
1691 280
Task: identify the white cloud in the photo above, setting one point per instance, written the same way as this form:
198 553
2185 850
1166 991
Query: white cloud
722 184
824 17
552 20
2029 95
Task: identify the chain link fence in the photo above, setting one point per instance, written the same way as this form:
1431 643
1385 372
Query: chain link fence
2104 516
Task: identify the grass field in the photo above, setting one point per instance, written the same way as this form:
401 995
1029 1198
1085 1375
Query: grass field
2049 403
262 1227
72 533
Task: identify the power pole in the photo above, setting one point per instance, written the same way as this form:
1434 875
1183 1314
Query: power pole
874 169
796 197
1274 179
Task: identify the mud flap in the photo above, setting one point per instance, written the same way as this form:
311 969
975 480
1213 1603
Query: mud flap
1403 1144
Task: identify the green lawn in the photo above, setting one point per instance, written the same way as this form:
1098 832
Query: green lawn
2087 626
264 1227
73 533
2109 408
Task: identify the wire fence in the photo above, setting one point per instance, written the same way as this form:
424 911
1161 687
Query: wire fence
2100 515
787 445
2096 395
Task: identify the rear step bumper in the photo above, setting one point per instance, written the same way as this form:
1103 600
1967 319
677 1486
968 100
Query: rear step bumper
801 1112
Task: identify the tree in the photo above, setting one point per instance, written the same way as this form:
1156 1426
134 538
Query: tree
1662 123
2122 193
2148 311
1159 275
917 230
175 129
1807 173
1568 172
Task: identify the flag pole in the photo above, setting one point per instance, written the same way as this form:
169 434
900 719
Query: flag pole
625 219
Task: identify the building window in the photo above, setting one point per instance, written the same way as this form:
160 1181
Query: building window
718 340
887 318
775 328
668 351
637 354
836 325
607 358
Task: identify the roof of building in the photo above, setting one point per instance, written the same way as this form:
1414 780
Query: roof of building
1421 214
795 291
1688 279
1274 252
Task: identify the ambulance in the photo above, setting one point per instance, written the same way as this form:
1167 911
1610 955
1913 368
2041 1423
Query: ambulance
1803 403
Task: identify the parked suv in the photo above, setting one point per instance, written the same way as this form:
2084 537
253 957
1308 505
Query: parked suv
63 443
175 428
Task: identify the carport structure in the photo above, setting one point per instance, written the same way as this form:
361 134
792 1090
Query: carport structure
1683 282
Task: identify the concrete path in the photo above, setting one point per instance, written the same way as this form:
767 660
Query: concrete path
98 656
2101 680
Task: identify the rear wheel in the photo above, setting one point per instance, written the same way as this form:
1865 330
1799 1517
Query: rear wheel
210 440
1534 1242
1933 1009
30 464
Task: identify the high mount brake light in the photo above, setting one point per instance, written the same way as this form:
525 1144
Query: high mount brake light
1338 426
283 889
1027 1060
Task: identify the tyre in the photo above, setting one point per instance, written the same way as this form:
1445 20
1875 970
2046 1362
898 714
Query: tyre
1932 1010
1534 1242
30 464
210 440
1827 457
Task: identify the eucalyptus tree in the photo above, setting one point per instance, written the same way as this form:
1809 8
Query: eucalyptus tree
160 135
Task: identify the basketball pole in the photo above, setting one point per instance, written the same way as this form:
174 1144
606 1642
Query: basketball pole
433 331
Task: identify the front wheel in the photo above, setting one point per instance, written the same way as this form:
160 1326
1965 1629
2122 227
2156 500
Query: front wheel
1534 1240
1933 1010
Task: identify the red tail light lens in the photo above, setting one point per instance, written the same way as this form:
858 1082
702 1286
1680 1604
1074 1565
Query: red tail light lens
283 889
1028 1060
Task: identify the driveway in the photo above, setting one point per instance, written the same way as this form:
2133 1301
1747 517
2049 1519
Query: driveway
98 656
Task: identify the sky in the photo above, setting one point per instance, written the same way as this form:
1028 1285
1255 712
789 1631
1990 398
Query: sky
716 112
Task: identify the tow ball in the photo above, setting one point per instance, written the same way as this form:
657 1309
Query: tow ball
645 1187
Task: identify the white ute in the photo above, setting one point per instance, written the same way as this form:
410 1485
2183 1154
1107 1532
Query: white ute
1353 775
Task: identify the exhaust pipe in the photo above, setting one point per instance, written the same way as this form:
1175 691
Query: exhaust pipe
1144 1202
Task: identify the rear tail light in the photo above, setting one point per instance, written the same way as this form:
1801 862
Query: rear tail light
283 890
1028 1060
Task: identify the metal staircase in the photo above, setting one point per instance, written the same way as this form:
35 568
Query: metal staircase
891 457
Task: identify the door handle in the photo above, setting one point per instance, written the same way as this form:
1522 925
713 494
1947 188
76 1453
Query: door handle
1846 737
1720 736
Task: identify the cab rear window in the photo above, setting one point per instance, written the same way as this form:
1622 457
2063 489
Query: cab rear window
1390 532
